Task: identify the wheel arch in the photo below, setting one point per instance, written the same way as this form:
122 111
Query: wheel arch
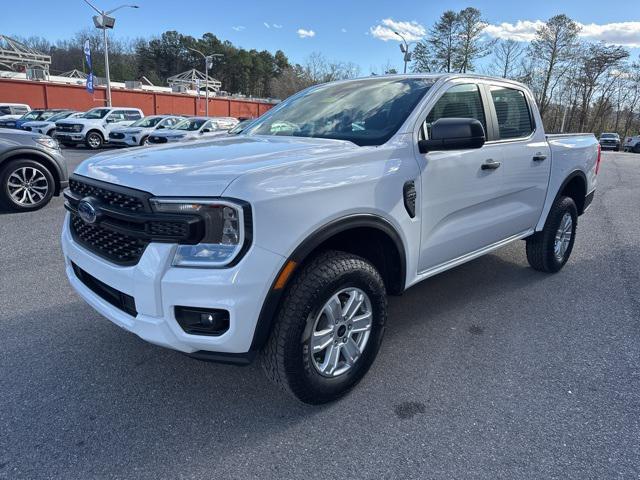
575 187
35 155
367 235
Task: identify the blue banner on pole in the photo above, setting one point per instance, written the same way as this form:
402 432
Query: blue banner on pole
87 55
90 82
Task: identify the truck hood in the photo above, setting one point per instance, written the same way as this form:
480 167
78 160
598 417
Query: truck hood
204 168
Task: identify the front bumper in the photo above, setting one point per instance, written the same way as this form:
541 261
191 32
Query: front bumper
69 137
157 288
127 141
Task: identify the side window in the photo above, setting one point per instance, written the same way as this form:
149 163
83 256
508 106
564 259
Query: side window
116 116
208 125
169 122
461 101
132 115
20 110
512 110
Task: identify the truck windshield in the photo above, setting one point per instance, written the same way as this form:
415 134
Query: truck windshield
59 116
365 112
96 113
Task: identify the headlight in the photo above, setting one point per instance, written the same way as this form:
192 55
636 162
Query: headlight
47 142
77 128
224 230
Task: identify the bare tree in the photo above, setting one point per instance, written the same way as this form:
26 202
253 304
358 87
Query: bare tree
507 54
551 49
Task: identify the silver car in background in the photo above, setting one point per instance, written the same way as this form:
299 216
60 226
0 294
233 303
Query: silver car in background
194 128
138 132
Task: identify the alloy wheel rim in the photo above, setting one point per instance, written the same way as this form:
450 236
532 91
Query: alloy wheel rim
341 332
94 141
563 236
27 186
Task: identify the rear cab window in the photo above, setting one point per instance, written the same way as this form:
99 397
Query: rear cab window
512 112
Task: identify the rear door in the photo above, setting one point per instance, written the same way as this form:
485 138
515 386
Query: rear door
526 156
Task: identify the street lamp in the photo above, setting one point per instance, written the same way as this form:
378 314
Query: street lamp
404 48
208 63
104 21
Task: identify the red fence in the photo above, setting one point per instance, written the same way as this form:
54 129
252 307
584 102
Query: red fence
52 95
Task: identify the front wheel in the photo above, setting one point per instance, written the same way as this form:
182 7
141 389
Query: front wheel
26 185
144 141
549 250
328 329
94 140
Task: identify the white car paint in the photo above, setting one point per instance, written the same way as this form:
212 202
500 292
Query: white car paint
114 117
13 111
210 127
296 186
632 144
47 127
133 135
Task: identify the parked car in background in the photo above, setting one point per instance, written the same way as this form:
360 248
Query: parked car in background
33 115
632 144
92 129
48 126
10 111
241 126
284 241
32 170
194 128
610 141
138 132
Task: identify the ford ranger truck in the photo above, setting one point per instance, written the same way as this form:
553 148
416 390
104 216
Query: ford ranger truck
284 241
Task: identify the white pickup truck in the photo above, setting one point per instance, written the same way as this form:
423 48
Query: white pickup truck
284 241
93 127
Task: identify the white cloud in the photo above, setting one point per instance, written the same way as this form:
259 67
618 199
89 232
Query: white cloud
411 31
266 24
238 28
275 25
626 34
302 33
521 31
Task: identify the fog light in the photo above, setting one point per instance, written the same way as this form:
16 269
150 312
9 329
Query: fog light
202 321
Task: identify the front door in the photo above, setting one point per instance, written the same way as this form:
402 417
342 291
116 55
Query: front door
461 204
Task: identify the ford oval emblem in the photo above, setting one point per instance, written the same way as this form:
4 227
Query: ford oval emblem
87 211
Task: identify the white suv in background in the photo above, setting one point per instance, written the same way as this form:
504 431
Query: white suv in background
93 128
138 132
13 110
195 128
632 144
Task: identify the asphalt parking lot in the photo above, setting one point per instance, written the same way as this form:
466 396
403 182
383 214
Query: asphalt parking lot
491 370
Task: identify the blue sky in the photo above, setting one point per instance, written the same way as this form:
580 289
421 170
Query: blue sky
342 30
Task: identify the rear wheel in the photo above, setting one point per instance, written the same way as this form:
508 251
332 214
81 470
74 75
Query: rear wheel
328 329
549 250
26 185
94 140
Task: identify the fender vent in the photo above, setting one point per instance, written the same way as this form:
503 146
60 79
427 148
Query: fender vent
409 194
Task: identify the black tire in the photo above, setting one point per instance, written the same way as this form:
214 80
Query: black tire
46 179
286 358
94 140
143 140
541 245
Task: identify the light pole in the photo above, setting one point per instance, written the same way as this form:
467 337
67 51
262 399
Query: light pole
405 50
104 21
208 61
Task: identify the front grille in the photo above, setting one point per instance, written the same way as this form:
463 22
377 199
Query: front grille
118 247
118 299
108 197
124 224
116 135
67 127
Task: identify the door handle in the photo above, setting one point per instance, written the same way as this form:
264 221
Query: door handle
490 164
539 157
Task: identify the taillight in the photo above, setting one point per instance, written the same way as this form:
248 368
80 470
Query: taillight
598 159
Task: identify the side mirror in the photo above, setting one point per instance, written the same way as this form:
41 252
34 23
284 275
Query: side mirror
205 130
160 127
453 134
